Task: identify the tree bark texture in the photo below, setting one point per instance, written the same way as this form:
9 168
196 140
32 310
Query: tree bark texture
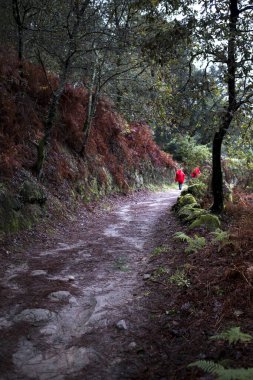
92 103
217 180
42 145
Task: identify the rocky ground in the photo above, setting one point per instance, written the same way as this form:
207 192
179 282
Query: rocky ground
94 299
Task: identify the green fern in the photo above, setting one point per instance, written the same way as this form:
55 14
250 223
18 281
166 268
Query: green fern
180 279
160 271
158 250
196 213
194 244
190 212
220 237
209 221
181 236
186 210
223 373
233 335
207 366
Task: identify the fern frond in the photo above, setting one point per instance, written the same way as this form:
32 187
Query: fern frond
195 244
235 374
207 366
219 235
181 236
186 210
223 373
180 279
196 212
233 335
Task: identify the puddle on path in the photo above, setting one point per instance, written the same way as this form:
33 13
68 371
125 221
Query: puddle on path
103 265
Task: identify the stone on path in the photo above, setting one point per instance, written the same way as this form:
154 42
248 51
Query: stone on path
34 316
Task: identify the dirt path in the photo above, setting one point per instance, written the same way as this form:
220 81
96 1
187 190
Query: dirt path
72 309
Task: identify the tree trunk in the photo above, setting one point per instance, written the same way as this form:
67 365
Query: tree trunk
92 102
42 145
41 154
217 181
88 122
217 185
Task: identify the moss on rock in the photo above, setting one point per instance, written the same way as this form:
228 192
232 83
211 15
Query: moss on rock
19 212
209 221
197 190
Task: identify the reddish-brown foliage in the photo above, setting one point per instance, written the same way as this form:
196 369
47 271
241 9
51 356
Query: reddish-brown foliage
73 112
39 85
241 214
112 143
143 147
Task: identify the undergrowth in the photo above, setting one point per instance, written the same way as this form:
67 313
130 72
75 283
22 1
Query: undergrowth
222 373
220 273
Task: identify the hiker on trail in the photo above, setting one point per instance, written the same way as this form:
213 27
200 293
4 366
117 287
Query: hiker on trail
195 173
180 176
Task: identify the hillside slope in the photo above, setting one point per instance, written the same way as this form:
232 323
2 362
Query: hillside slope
118 157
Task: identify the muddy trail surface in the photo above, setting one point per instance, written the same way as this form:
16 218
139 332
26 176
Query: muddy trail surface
71 305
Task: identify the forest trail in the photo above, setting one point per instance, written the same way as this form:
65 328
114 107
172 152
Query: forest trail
70 306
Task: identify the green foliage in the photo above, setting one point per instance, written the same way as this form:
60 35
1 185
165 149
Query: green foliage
233 335
223 373
197 189
220 237
160 271
186 200
196 213
209 221
239 163
183 200
185 149
158 250
194 244
182 236
190 212
180 279
186 211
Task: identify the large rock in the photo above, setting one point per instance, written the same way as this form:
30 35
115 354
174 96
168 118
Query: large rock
35 316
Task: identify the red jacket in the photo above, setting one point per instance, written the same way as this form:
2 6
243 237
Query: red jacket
180 176
195 173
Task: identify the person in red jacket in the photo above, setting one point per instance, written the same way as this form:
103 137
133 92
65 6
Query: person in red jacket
195 173
180 176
